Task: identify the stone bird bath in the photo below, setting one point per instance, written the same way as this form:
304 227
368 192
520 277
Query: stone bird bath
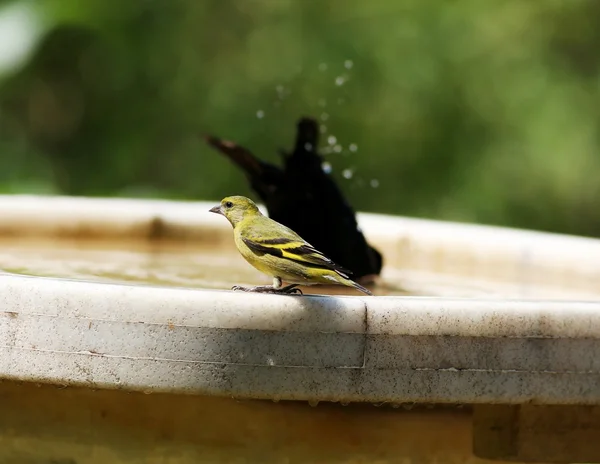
119 343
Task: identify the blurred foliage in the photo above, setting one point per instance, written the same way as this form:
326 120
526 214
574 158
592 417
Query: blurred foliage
465 110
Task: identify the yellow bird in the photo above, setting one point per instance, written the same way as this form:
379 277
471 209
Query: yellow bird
278 251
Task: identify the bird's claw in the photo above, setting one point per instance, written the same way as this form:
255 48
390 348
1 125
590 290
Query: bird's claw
265 289
258 289
293 291
239 288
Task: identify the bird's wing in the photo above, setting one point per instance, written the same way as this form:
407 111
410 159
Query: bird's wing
293 248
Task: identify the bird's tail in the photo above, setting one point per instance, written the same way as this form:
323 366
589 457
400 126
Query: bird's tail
346 280
360 287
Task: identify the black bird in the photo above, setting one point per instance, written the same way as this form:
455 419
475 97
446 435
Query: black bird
306 199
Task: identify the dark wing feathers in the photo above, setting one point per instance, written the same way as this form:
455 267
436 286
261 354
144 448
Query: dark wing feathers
294 250
259 248
275 241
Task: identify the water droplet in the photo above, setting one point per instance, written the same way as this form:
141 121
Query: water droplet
260 114
308 146
344 403
323 128
340 80
323 67
322 102
331 140
337 148
282 92
353 147
324 116
326 167
347 173
374 183
313 403
275 400
348 64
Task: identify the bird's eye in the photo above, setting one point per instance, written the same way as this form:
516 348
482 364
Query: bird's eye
228 204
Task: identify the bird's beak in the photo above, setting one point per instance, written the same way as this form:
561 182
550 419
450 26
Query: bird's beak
216 209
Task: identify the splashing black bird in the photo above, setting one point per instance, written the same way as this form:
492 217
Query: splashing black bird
303 197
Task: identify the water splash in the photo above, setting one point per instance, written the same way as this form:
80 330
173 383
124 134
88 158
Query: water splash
331 140
347 173
337 148
374 183
348 64
282 92
326 166
341 80
353 147
308 146
260 114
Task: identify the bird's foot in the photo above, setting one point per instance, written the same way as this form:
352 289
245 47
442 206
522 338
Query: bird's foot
239 288
258 289
288 290
291 290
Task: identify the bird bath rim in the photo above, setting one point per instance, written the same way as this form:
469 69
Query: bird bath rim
502 348
426 257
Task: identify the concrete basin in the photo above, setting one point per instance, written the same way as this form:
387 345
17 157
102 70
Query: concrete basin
120 343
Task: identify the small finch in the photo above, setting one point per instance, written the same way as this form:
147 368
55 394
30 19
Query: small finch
278 251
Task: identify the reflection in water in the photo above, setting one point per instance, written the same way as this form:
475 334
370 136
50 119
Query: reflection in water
164 263
180 264
220 266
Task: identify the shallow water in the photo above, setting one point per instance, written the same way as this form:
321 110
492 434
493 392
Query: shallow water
164 263
195 264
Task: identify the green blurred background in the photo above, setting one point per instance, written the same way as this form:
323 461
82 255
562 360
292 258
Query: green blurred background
461 110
